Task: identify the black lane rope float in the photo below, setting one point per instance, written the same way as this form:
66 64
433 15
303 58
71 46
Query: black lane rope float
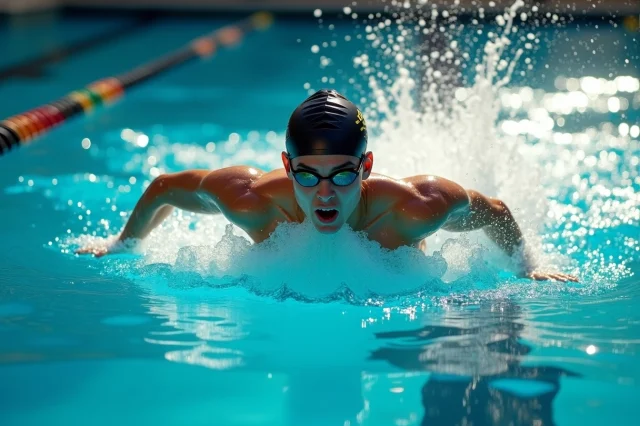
22 128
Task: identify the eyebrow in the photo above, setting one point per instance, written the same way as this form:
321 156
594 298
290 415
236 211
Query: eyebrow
304 166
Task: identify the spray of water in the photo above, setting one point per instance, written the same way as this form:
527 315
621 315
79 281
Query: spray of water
422 120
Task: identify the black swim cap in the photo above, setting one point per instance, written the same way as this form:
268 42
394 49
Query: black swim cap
326 123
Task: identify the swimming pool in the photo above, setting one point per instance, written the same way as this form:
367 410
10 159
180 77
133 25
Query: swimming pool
200 329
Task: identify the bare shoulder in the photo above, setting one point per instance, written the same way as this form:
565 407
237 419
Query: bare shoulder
236 176
234 189
419 204
247 195
439 190
274 184
229 182
418 189
243 180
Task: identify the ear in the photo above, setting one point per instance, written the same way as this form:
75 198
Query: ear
286 163
368 165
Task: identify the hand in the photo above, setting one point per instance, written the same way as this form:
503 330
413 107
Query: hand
96 251
99 250
555 276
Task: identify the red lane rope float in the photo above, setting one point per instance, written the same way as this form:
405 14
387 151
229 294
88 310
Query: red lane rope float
23 128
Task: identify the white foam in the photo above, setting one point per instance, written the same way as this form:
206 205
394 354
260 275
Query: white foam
456 137
411 133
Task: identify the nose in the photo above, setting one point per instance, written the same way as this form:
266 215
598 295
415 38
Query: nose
325 192
325 199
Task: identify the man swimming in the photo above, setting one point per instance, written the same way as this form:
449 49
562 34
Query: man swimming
327 179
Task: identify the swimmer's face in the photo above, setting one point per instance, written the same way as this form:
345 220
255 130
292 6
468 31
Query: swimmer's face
327 204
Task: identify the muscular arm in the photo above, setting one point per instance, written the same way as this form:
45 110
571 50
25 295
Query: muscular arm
458 210
158 201
493 217
227 191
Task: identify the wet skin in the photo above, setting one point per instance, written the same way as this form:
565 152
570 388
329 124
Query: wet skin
393 212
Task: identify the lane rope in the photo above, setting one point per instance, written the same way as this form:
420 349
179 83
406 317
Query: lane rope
22 129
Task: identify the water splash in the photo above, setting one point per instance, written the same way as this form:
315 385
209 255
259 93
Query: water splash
418 125
425 121
298 263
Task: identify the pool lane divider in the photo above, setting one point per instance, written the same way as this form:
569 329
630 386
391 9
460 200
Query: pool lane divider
23 128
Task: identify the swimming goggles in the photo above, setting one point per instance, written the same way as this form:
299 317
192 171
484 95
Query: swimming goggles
310 179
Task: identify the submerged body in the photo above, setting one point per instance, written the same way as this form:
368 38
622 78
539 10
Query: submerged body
327 178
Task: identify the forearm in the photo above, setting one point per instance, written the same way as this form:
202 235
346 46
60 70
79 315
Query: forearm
503 230
197 191
495 219
469 210
146 216
181 190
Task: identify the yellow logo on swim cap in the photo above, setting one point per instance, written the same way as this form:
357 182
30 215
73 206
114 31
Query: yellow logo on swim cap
360 120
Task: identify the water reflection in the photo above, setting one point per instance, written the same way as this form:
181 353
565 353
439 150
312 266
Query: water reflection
477 372
202 330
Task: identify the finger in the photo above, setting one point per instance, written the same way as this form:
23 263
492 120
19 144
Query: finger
570 278
539 277
552 277
94 251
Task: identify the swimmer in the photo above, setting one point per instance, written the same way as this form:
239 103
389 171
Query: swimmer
328 179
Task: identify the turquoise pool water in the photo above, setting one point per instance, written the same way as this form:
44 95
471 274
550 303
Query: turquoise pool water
202 328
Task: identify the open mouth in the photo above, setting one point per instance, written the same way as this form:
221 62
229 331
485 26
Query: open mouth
327 215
